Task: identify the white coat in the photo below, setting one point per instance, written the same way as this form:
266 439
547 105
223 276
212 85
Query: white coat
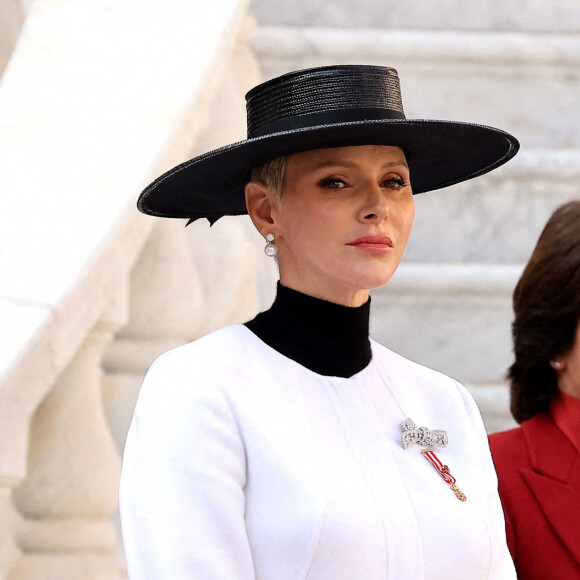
241 464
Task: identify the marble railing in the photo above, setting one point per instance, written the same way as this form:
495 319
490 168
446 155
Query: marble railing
97 99
12 16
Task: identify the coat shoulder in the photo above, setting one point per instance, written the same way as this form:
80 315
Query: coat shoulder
509 450
397 365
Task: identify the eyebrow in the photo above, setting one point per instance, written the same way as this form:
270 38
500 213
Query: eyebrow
353 165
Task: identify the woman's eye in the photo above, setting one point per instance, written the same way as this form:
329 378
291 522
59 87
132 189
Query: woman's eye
394 183
332 183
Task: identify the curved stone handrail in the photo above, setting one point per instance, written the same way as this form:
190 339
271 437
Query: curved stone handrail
98 98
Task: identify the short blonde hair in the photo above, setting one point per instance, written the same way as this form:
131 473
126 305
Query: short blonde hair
272 173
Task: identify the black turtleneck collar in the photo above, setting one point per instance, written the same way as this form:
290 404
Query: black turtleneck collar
326 338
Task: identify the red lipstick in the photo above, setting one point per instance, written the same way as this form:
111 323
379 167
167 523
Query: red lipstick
376 243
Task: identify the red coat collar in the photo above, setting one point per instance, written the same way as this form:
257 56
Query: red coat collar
565 410
554 478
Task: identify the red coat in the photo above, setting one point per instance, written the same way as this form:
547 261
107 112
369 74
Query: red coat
539 484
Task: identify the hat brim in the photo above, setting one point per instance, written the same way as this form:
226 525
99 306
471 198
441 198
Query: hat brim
439 154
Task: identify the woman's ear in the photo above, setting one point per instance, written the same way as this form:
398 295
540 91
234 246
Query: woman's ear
259 202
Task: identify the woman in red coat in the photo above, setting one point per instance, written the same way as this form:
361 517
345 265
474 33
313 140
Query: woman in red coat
538 463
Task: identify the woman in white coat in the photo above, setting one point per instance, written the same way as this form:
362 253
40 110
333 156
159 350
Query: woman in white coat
290 448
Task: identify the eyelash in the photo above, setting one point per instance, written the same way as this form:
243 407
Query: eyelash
329 181
397 182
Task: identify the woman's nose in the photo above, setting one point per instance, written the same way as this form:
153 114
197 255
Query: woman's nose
375 207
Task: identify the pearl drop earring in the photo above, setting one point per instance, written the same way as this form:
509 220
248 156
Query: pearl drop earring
556 364
270 250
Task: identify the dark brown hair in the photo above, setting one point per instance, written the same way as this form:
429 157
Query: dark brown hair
546 303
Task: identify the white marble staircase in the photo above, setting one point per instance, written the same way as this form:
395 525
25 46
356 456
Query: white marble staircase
510 65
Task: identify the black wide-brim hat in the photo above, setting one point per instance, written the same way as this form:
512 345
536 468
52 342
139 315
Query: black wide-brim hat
331 106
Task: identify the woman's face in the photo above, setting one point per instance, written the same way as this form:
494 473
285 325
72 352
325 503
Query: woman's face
343 220
569 373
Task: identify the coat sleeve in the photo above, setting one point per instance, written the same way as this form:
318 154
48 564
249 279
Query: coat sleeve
506 451
502 565
182 484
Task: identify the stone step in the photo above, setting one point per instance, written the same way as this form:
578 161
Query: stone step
455 318
562 15
495 218
524 83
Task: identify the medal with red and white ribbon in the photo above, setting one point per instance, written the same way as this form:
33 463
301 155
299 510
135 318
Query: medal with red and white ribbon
426 438
444 472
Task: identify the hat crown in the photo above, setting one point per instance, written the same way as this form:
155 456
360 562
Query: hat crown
322 95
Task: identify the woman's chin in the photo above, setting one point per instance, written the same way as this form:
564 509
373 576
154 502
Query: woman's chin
373 281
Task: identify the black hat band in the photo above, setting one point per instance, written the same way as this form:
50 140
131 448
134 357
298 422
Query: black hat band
326 118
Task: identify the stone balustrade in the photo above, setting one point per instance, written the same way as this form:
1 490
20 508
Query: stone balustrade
12 15
98 98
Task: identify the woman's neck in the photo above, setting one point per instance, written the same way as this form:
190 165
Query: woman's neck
344 295
327 338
